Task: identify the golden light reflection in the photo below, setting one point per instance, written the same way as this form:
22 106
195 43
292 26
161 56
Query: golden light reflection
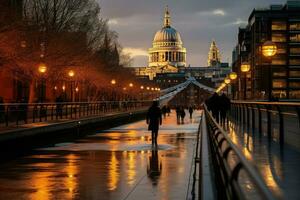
113 172
41 181
71 170
131 167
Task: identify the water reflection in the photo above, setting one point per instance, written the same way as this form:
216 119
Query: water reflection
113 172
154 167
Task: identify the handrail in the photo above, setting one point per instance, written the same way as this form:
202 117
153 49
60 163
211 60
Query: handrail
267 103
242 163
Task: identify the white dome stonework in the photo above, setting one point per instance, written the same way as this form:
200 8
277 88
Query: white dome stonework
167 46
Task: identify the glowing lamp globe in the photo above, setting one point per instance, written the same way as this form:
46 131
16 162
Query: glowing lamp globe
130 85
42 68
227 80
232 75
223 85
113 81
71 73
245 67
142 87
269 49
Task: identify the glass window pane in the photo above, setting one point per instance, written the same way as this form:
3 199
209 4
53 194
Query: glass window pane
278 25
294 61
295 73
295 37
277 37
295 84
295 50
278 83
295 26
295 94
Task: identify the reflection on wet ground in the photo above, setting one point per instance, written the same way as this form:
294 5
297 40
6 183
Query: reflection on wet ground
279 166
116 164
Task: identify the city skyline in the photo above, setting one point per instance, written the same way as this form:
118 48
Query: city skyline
199 23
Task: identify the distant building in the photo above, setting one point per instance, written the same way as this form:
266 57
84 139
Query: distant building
167 53
281 25
214 57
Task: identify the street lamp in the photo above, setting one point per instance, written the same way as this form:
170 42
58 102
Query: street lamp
142 87
232 75
130 84
113 81
269 49
71 74
227 80
42 68
245 67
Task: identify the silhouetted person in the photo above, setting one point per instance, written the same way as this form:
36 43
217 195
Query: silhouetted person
164 111
213 104
168 110
154 167
22 110
154 119
224 105
178 114
182 114
191 110
59 106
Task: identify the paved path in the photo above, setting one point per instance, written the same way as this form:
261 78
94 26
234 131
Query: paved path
116 164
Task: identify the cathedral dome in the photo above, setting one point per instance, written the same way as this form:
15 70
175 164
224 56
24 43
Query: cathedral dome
167 34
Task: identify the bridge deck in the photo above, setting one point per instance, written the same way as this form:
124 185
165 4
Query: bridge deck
116 164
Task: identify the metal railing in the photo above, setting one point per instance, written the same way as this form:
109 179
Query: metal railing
254 114
23 113
232 169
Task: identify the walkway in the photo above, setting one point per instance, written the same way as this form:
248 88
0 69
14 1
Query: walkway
116 164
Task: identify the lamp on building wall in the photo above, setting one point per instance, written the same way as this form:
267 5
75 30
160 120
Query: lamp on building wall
42 69
269 49
71 74
233 76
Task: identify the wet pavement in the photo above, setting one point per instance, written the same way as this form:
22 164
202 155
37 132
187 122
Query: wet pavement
119 163
279 167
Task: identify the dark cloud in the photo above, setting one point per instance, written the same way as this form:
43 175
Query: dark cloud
198 21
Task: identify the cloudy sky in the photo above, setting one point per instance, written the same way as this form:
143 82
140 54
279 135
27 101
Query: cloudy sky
198 22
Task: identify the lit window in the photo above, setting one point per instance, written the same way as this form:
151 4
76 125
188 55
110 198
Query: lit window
295 73
295 84
279 93
295 26
279 74
279 83
295 50
295 37
278 61
277 37
278 25
294 61
294 94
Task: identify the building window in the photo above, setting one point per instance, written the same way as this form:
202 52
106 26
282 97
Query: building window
281 50
295 94
294 61
295 50
295 73
294 84
295 26
279 74
277 37
278 25
279 83
295 37
278 61
279 93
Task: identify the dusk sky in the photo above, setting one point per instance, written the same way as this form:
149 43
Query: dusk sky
198 22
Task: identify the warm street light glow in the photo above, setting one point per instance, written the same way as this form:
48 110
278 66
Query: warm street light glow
124 88
223 85
152 88
42 68
227 80
148 88
113 81
232 75
76 89
245 67
130 85
63 88
142 87
55 87
71 73
158 89
269 49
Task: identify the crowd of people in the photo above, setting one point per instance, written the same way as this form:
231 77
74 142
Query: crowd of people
219 105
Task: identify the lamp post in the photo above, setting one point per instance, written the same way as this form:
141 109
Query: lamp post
42 70
245 67
71 74
227 82
269 49
232 77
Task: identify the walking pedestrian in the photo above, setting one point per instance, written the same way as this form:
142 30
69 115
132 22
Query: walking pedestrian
224 103
182 114
191 110
154 119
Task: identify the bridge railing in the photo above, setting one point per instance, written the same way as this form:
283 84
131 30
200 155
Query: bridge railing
236 177
283 116
24 113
